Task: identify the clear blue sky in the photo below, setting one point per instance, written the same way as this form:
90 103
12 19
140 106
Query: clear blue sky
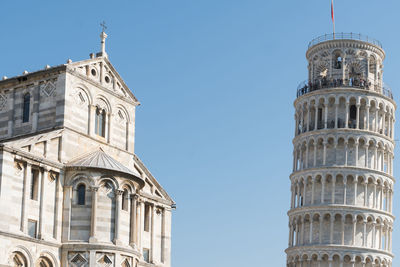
217 81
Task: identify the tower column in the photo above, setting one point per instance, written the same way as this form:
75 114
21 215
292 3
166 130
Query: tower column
93 226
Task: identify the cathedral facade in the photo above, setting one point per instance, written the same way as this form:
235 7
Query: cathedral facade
342 181
72 190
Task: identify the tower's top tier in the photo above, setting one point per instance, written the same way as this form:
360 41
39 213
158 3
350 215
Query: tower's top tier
345 60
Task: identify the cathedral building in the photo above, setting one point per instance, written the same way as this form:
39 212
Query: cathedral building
72 190
342 180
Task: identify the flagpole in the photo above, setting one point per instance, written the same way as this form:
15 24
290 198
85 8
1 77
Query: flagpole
333 18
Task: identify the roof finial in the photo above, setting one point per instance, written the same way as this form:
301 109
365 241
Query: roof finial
103 37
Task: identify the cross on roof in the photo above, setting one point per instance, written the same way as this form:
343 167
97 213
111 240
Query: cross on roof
103 25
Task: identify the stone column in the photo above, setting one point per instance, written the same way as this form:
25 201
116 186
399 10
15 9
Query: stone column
366 155
365 194
308 117
344 190
307 155
353 242
316 118
315 154
140 224
290 235
153 234
312 190
163 232
311 229
302 232
375 158
380 236
323 189
333 189
133 224
93 226
364 233
324 156
304 192
356 154
381 198
11 108
373 234
375 196
355 191
346 152
58 202
118 198
43 177
91 122
66 218
343 224
367 115
358 117
376 119
336 115
326 116
331 229
321 222
347 115
25 196
109 127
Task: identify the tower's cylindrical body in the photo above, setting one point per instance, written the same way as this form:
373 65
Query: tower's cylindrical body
342 183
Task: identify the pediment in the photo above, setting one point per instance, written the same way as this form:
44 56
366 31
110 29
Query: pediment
102 72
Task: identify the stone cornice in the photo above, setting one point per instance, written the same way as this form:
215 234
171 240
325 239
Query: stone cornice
29 78
345 131
323 249
344 43
30 239
340 170
337 209
26 156
340 90
76 246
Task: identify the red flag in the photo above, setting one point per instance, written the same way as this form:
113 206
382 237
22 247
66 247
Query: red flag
332 13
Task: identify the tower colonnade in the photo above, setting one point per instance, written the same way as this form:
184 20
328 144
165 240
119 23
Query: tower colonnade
342 183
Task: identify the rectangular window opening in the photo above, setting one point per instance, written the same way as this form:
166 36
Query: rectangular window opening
32 228
147 217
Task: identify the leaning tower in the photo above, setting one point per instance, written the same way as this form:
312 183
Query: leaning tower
342 180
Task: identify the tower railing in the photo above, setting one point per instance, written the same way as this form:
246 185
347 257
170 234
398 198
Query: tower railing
344 36
306 87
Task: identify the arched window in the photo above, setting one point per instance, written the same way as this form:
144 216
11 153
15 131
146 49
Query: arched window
44 262
81 191
19 260
26 107
125 200
100 122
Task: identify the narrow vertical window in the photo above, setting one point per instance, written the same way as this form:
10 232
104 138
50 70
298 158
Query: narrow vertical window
34 185
81 191
125 200
147 217
32 228
100 122
26 107
146 254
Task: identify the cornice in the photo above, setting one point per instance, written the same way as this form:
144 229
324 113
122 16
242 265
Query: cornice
335 208
339 170
344 43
